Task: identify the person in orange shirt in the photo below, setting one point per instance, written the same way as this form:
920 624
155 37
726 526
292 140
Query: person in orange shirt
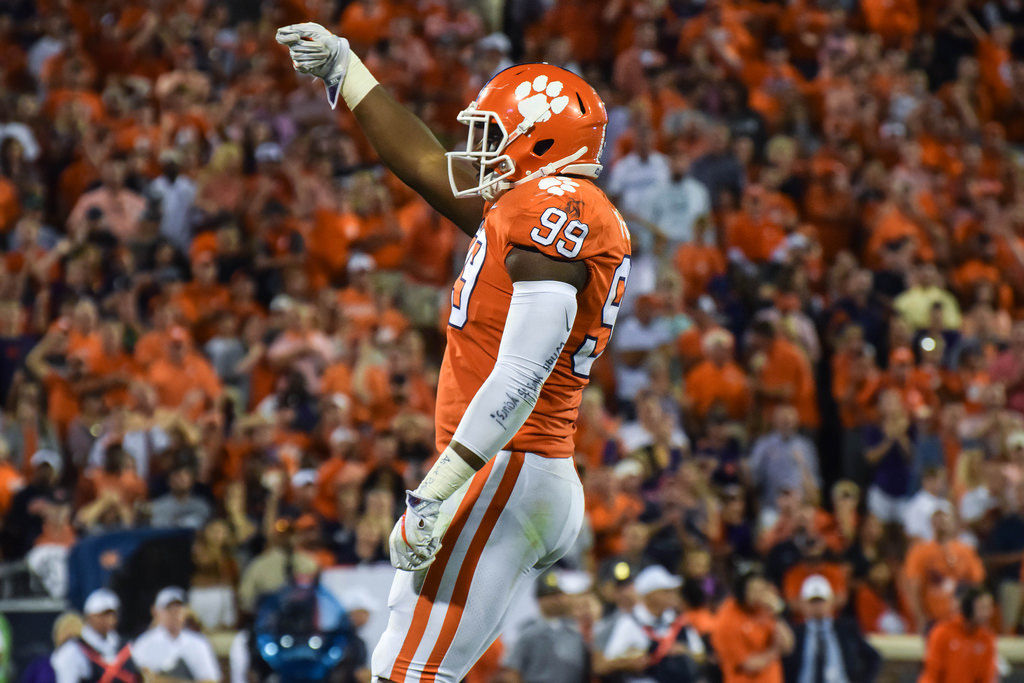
750 637
372 224
962 649
203 297
11 480
878 602
609 511
153 343
718 380
688 344
895 20
935 569
365 22
10 208
913 386
184 379
782 373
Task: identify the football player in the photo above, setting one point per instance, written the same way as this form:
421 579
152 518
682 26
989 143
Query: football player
532 310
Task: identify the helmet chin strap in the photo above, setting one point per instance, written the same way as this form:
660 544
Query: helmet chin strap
559 164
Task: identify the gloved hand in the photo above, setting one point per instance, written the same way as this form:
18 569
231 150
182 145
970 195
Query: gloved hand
315 50
413 543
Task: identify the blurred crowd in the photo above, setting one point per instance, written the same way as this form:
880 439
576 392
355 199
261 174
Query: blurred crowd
217 311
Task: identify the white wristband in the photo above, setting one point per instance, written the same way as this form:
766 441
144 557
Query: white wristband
358 81
445 477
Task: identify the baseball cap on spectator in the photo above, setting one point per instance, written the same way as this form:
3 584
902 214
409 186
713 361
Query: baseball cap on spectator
656 578
630 467
846 488
547 584
303 478
716 337
342 435
361 263
498 42
282 303
816 587
622 573
101 600
45 456
268 151
574 582
169 596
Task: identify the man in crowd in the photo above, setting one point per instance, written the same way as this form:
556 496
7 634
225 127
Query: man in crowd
549 647
750 636
655 640
169 649
962 649
97 654
827 648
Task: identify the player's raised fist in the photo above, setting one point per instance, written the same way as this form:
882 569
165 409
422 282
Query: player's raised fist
315 50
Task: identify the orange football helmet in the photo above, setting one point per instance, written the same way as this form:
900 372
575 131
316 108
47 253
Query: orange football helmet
530 120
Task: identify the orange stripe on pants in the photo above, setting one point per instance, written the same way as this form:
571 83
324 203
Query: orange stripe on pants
435 572
465 578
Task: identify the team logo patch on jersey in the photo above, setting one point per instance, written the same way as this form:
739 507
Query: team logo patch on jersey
557 186
539 98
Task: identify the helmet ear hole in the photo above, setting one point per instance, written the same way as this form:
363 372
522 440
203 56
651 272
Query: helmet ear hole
583 107
542 146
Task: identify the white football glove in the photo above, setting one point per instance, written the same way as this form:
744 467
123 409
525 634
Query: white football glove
413 543
316 51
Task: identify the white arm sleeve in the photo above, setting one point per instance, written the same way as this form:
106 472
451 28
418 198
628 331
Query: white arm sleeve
540 317
539 320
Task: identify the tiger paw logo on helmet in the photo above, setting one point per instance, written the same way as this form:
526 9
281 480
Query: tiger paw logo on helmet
557 186
538 106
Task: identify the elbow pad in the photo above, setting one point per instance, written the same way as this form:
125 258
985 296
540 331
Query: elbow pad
540 318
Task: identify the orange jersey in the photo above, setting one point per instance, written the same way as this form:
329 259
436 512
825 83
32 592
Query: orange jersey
564 219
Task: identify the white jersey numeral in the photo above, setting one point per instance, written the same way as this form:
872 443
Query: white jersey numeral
551 224
462 290
591 348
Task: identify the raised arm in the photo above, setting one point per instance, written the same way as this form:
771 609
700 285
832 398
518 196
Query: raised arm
403 141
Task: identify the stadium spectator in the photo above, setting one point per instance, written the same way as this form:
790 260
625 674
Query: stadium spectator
827 647
750 637
180 506
936 568
550 646
98 650
963 648
172 649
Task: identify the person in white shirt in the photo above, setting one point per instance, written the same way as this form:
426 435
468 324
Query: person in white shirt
98 649
655 620
917 515
633 175
676 207
169 649
982 499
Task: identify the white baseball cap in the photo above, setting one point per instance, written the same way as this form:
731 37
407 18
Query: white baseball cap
573 582
816 587
45 456
168 596
303 478
100 601
656 578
